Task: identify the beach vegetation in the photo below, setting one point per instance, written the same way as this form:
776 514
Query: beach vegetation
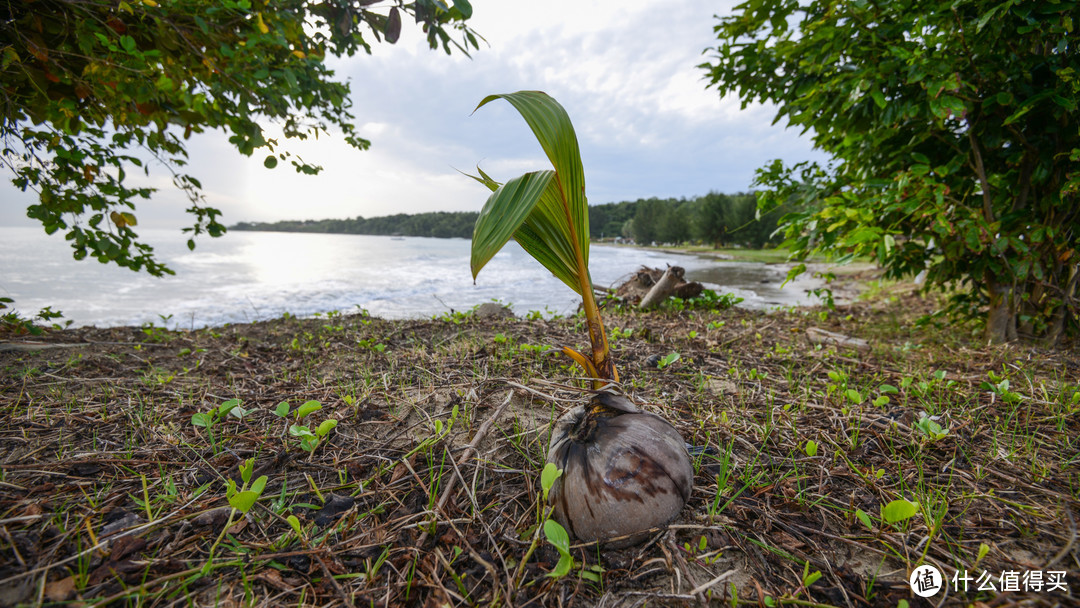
951 132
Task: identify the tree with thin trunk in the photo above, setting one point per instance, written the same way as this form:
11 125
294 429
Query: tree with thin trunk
953 129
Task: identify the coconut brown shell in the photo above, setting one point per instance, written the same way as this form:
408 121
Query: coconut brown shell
624 471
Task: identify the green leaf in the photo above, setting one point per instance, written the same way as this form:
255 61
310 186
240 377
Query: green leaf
810 448
228 406
259 485
464 8
853 395
864 518
203 420
325 427
551 219
548 477
557 536
282 409
503 214
899 510
308 407
243 501
295 523
270 161
300 431
879 98
246 468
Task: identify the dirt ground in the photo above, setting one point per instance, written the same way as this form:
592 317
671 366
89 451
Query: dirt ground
426 491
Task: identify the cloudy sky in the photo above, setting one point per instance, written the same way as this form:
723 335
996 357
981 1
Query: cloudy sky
625 71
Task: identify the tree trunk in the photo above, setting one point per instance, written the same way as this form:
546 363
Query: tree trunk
1001 319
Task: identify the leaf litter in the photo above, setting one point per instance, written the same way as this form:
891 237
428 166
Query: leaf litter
426 491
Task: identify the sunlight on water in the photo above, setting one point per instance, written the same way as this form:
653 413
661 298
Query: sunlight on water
249 276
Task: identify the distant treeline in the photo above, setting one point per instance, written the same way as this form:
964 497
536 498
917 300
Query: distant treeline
442 224
720 219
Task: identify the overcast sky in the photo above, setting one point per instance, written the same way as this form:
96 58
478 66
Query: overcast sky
625 71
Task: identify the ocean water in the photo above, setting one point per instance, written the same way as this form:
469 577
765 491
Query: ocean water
249 276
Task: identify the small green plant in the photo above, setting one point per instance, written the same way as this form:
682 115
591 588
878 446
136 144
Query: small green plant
240 499
208 419
309 439
999 386
707 300
371 344
929 428
16 323
668 360
700 552
898 510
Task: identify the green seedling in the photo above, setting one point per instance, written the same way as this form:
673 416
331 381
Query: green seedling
809 578
668 359
309 439
999 386
214 415
700 552
929 428
241 499
208 419
898 510
554 532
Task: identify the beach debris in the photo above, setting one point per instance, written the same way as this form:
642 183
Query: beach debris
820 336
493 310
650 287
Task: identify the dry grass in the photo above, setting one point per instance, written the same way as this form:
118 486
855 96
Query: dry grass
110 495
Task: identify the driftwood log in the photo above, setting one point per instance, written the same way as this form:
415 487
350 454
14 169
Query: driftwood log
649 287
820 336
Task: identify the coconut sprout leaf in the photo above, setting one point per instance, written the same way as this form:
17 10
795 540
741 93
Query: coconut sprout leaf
504 212
546 235
552 127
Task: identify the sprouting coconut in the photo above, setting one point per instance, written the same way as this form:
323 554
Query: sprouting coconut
624 471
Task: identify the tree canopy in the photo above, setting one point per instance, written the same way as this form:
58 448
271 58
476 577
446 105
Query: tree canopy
93 90
954 137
